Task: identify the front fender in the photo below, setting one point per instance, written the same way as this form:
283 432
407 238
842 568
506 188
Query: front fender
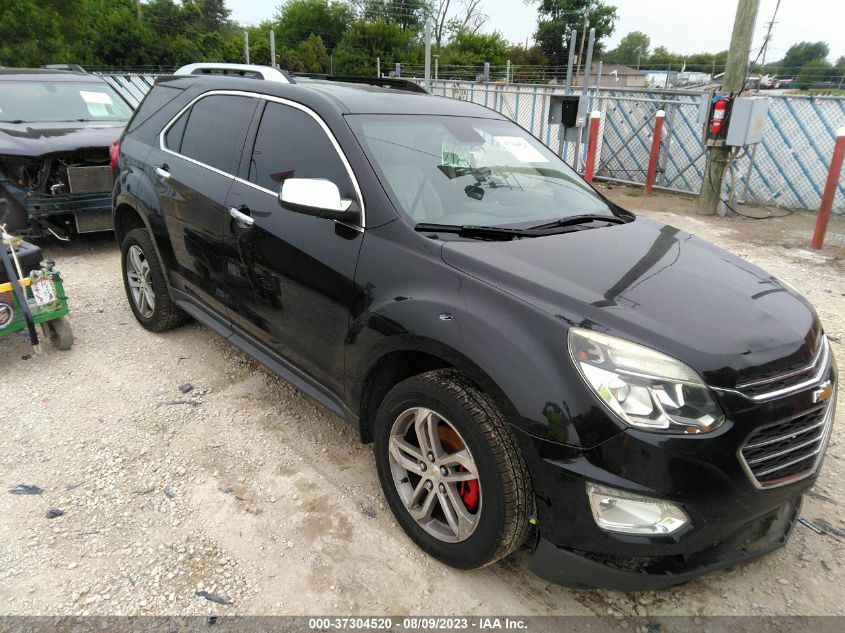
514 351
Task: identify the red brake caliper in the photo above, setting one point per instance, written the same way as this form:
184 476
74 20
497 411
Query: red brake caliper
468 491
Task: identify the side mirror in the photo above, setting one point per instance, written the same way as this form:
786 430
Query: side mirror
318 197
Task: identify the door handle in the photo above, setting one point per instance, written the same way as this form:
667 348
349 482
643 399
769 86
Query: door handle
162 171
241 217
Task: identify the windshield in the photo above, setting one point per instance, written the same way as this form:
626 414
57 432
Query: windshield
468 171
60 101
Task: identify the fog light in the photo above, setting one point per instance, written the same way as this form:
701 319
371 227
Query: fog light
619 511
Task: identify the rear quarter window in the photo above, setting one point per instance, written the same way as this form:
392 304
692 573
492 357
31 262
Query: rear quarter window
158 97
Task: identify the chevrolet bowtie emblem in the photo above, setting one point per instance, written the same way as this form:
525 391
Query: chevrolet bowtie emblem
824 392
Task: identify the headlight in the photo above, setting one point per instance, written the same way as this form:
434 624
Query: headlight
646 389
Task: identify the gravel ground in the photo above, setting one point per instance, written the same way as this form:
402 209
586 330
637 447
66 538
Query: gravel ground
244 491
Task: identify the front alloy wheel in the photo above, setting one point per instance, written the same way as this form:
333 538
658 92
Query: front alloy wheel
435 475
450 469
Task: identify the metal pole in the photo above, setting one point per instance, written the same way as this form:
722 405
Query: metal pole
486 71
508 72
655 151
829 190
397 72
573 35
331 64
639 55
588 62
436 66
428 27
378 67
589 168
246 46
272 48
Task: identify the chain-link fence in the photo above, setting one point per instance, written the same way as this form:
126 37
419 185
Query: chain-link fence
787 169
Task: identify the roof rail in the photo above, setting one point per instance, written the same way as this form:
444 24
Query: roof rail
397 83
249 71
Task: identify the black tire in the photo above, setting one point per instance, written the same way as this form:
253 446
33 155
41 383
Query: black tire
166 315
506 494
59 332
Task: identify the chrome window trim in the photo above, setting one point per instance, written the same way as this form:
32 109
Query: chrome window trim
822 365
287 102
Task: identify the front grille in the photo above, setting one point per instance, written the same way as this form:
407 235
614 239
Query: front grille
788 450
89 179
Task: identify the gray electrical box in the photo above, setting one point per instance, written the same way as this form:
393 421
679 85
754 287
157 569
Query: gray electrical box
568 110
747 121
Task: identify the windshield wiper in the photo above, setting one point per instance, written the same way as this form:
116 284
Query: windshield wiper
579 219
470 230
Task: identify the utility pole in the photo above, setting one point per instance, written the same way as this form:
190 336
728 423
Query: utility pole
736 69
639 55
272 48
246 46
428 27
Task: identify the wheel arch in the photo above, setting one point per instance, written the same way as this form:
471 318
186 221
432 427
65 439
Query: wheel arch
411 356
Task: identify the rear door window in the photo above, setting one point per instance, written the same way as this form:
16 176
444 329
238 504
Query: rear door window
291 144
216 130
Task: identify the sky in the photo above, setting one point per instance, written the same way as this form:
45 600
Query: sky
682 26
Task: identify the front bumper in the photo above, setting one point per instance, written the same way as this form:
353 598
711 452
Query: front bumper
581 570
40 205
732 519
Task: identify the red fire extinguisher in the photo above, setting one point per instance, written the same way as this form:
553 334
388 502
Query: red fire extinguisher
717 120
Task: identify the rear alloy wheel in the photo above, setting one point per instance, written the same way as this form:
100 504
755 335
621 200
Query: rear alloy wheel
139 280
146 288
450 470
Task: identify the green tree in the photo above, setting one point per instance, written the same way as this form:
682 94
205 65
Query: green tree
473 49
814 72
556 18
364 41
408 14
799 54
299 19
631 48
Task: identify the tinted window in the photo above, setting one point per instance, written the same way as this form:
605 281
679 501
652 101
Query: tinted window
216 130
173 138
155 100
292 144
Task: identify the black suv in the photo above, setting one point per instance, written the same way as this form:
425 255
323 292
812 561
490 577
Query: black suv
528 358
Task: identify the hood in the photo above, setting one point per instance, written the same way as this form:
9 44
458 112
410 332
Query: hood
38 139
657 285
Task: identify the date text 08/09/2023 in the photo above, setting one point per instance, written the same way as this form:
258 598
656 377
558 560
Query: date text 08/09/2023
418 623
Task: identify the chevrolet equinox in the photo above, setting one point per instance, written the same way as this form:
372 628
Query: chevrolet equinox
531 361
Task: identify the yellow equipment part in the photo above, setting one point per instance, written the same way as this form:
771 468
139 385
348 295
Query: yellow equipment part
7 287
